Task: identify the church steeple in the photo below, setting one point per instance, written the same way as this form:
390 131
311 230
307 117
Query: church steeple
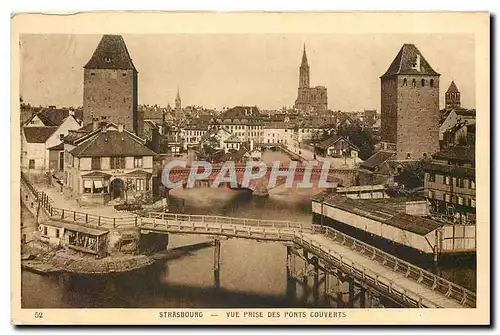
452 96
178 100
304 71
304 57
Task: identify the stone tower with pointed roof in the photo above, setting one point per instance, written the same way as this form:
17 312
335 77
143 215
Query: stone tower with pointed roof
110 85
410 105
309 98
178 105
452 97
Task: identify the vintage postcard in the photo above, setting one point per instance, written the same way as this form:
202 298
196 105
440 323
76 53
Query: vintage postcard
250 168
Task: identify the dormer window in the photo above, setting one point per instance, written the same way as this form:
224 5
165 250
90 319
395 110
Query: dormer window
414 83
107 59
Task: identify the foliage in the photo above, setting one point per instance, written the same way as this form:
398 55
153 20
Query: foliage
359 135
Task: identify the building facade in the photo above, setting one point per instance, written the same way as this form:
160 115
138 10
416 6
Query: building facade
410 105
450 184
309 98
108 163
110 87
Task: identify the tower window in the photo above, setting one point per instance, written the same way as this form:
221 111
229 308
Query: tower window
422 82
431 82
92 73
414 83
405 82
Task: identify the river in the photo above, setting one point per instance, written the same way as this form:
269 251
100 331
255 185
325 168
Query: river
252 274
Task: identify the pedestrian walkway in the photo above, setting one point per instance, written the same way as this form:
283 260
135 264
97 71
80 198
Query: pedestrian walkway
60 201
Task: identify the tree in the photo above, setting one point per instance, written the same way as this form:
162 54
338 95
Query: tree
360 136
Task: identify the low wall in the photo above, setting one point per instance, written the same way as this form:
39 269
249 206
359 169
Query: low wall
124 240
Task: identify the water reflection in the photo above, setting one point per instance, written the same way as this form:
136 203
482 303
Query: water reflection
252 274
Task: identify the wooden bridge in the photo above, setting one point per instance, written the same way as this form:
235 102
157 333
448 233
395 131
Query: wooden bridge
365 267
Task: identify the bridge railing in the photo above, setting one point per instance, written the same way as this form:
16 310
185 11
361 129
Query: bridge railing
358 270
423 277
230 220
92 219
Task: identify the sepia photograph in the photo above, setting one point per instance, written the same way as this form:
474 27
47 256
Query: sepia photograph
238 176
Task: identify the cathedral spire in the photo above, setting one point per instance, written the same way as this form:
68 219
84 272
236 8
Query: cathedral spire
304 57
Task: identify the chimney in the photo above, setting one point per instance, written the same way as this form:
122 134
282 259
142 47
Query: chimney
95 124
120 127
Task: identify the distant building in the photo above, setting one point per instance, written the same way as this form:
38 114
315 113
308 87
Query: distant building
110 87
337 146
246 122
40 140
457 117
309 98
450 184
278 132
410 105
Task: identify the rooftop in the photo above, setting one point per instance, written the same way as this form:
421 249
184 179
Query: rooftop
409 60
112 143
38 134
384 214
376 159
111 53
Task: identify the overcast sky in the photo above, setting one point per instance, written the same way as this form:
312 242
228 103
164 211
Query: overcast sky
226 70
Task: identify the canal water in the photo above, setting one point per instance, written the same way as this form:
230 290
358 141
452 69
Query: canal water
252 274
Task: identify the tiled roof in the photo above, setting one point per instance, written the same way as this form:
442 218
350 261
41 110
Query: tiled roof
233 139
241 112
38 134
373 210
111 53
377 159
465 112
459 171
457 153
60 146
112 143
56 116
334 139
453 88
405 61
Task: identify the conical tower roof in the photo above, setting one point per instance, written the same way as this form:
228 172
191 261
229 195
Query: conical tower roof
409 60
111 53
453 88
304 57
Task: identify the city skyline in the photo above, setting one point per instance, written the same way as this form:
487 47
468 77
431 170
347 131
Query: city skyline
210 72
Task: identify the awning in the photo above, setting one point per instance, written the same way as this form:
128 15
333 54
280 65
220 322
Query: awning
87 183
97 183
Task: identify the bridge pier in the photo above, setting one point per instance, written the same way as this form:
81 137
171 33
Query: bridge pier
362 297
217 262
291 284
350 281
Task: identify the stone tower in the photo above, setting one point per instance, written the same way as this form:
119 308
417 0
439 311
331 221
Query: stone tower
410 105
452 97
110 85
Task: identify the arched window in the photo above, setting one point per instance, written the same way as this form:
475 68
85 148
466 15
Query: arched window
431 83
405 82
414 83
422 82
